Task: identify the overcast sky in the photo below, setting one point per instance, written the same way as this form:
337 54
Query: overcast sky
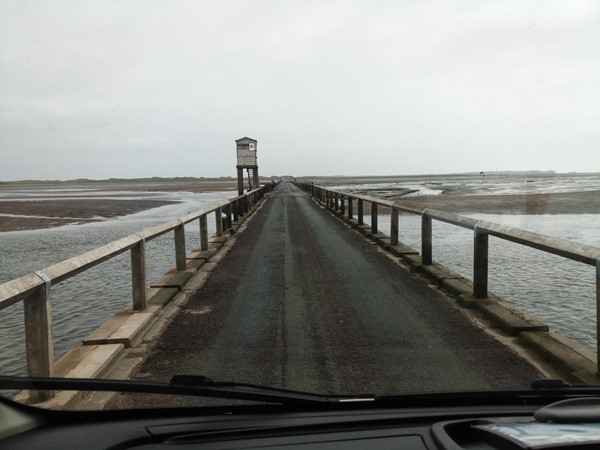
98 89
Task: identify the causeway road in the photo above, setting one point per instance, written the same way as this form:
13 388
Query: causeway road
303 301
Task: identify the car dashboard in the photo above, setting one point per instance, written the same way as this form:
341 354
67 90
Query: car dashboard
443 428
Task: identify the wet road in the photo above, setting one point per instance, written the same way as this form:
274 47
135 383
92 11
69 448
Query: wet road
302 301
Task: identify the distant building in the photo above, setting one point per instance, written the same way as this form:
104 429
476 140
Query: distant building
246 151
246 159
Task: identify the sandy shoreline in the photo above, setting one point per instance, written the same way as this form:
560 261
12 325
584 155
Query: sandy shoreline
30 214
21 210
54 213
587 202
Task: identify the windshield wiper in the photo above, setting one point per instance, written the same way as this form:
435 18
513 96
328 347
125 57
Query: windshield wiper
544 389
553 383
193 385
198 385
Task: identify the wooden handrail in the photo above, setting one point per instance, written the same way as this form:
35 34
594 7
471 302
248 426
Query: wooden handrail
586 254
582 253
33 288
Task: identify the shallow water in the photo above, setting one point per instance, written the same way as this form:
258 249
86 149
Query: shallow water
555 290
82 303
491 184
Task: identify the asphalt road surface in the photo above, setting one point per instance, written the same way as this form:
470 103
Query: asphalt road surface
304 302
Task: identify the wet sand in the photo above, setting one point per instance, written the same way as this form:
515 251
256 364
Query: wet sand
24 212
171 186
34 214
55 213
556 203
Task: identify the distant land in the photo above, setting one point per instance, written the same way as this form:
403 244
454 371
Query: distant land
34 204
120 180
189 179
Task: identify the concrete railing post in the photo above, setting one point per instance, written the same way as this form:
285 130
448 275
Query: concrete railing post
138 275
426 240
180 262
361 219
342 205
480 264
373 217
336 201
394 226
38 338
219 221
203 233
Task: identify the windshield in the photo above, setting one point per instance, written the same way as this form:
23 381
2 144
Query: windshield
341 197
